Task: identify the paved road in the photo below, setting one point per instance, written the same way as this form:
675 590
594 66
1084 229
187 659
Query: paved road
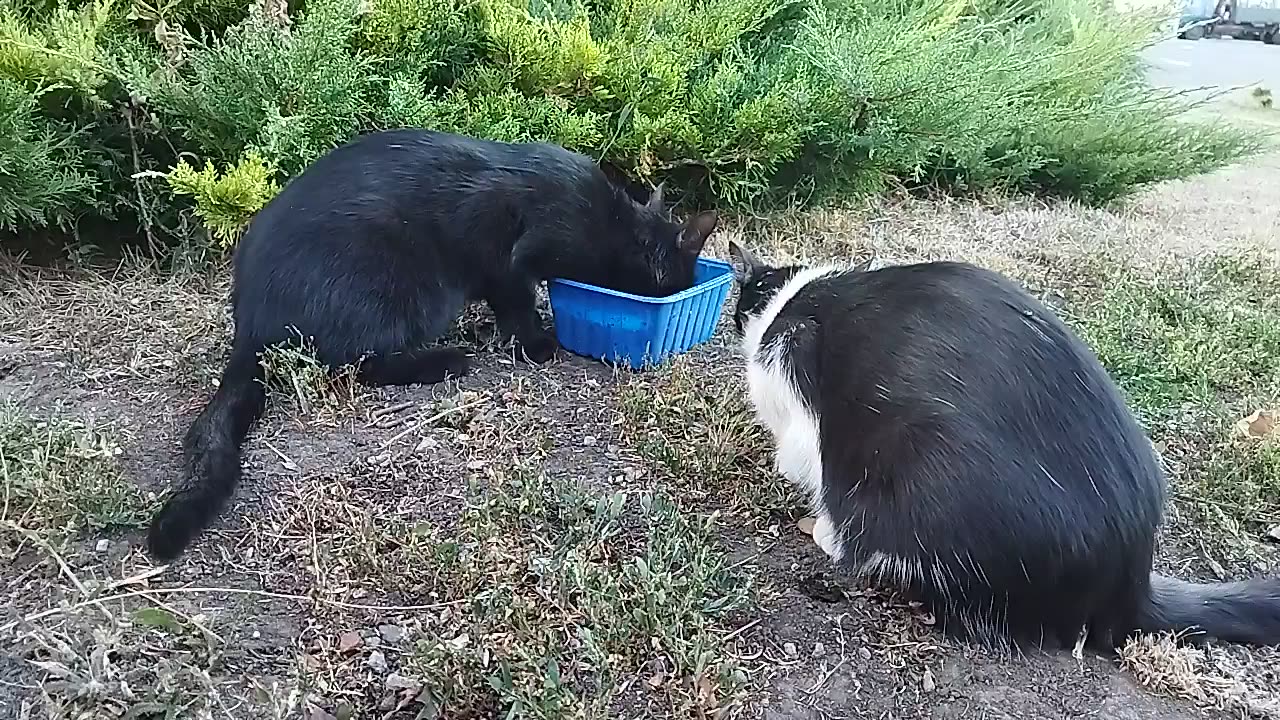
1219 63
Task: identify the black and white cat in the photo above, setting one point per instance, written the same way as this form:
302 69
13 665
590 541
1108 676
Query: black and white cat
958 442
374 249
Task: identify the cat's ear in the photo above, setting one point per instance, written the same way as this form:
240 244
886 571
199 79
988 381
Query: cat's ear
696 231
655 199
743 262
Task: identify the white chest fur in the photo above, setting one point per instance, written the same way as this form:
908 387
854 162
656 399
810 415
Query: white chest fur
781 408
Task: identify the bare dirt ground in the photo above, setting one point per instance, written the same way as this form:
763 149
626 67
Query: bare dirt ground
570 540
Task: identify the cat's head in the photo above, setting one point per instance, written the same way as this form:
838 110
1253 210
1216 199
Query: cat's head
665 254
757 283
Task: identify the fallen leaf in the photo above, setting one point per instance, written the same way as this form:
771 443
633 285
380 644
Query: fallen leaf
806 525
318 713
1260 424
349 641
926 683
706 692
396 681
156 617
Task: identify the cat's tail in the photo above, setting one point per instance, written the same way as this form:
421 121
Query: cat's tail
211 452
1246 612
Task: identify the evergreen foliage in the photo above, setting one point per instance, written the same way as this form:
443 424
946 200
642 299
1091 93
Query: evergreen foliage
745 104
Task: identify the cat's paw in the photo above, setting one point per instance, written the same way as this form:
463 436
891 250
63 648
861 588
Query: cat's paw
827 538
539 348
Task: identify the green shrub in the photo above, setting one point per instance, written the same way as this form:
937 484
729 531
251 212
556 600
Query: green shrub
41 173
62 47
226 204
742 103
290 96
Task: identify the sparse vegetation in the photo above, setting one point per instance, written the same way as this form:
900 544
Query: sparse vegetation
564 597
61 478
699 434
1205 336
315 391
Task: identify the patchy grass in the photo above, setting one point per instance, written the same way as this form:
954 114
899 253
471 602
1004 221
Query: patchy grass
1196 346
61 478
698 433
117 327
313 391
1205 335
566 597
122 667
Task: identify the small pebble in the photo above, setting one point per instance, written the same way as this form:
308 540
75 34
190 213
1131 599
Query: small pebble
373 641
864 653
589 440
103 545
391 633
819 650
790 649
377 661
926 683
349 641
396 681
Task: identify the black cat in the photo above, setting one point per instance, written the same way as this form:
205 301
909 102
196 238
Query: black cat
961 444
373 251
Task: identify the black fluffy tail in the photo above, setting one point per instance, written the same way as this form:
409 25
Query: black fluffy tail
1245 612
211 452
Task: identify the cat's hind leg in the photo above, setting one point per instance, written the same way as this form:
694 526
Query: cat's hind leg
425 366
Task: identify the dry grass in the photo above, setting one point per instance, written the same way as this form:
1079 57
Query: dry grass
1205 676
313 392
121 326
697 433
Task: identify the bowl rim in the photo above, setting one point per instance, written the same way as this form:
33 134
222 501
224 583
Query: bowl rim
720 279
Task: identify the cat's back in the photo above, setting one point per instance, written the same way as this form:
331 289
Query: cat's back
948 304
951 350
410 197
958 333
414 170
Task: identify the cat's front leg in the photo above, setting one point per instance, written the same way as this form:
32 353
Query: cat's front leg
514 300
827 536
534 342
515 307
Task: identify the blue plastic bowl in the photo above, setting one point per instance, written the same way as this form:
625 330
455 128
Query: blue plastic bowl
631 329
